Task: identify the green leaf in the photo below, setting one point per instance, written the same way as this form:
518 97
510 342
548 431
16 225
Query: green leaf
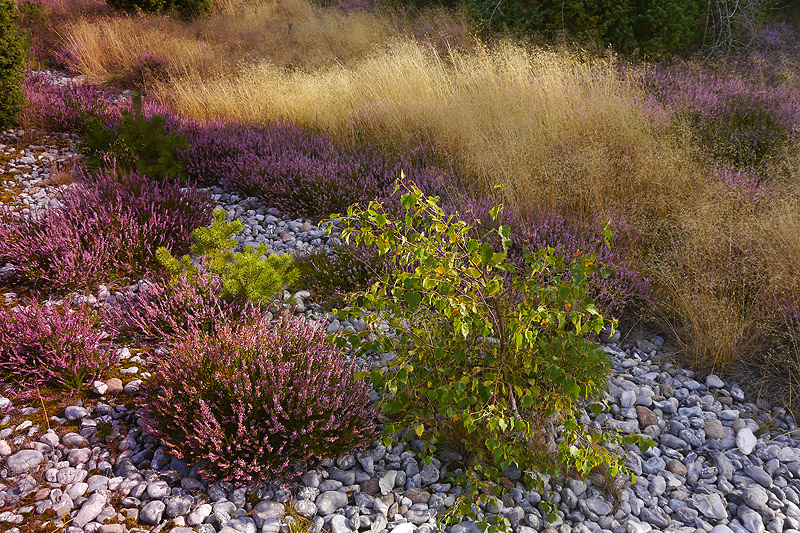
413 299
493 212
595 408
419 430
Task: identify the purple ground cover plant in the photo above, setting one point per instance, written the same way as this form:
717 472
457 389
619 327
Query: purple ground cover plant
64 107
107 230
257 400
745 108
43 345
296 170
164 309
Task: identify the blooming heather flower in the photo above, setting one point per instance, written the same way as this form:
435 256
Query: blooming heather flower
51 346
257 400
108 230
166 309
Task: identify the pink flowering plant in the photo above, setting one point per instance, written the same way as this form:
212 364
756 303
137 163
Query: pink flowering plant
106 230
52 347
257 400
167 308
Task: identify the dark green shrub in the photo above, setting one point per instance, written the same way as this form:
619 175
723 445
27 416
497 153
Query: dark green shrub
12 61
496 352
188 9
137 143
653 27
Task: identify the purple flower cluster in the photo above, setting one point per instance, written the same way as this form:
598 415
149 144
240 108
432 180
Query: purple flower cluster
743 114
257 400
164 309
65 107
292 168
106 231
746 183
52 347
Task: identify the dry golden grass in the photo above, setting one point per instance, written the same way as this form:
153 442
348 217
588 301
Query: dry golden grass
62 172
736 259
287 33
551 128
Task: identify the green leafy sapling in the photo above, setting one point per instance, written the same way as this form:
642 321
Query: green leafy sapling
486 350
254 274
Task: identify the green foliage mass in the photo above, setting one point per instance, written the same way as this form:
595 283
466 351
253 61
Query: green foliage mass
187 9
13 45
137 144
654 28
248 275
493 354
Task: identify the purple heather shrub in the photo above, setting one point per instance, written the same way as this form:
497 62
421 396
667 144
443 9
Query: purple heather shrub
777 37
744 182
48 346
257 400
149 67
166 309
64 107
744 113
106 231
291 168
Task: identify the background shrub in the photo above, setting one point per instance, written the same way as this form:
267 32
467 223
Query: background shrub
52 347
106 231
188 9
136 143
12 62
654 28
257 401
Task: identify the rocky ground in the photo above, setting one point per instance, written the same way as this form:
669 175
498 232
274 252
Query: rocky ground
721 463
